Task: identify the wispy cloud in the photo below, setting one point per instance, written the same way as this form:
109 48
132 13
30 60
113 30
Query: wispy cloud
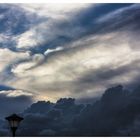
71 50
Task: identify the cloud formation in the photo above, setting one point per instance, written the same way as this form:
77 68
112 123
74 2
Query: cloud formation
116 113
74 50
77 51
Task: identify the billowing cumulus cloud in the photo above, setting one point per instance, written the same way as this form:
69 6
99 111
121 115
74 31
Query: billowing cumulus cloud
116 113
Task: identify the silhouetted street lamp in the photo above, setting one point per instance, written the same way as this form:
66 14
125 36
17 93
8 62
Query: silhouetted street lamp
14 121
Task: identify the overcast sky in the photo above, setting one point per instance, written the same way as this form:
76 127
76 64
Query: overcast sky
50 51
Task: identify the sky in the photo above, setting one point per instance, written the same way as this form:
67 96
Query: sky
51 51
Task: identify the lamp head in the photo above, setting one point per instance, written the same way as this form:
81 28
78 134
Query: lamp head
14 120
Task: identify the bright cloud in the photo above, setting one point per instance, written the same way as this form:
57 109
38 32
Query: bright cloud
71 50
8 57
60 72
55 11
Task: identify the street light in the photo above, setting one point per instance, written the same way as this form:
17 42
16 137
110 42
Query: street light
14 121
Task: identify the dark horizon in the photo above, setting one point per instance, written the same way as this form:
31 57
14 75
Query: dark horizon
116 113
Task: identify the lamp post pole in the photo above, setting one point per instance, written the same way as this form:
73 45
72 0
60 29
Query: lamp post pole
14 121
14 131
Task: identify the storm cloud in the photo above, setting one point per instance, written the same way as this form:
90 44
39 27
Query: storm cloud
115 113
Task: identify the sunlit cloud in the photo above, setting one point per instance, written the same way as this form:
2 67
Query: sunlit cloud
63 71
70 50
8 57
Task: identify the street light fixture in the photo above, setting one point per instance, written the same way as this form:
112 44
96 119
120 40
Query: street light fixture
14 121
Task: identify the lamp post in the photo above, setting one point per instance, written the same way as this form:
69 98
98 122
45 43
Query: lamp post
14 121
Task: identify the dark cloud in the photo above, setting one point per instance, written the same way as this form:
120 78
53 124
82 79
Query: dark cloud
49 119
116 110
116 113
14 15
10 104
87 100
112 115
3 87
